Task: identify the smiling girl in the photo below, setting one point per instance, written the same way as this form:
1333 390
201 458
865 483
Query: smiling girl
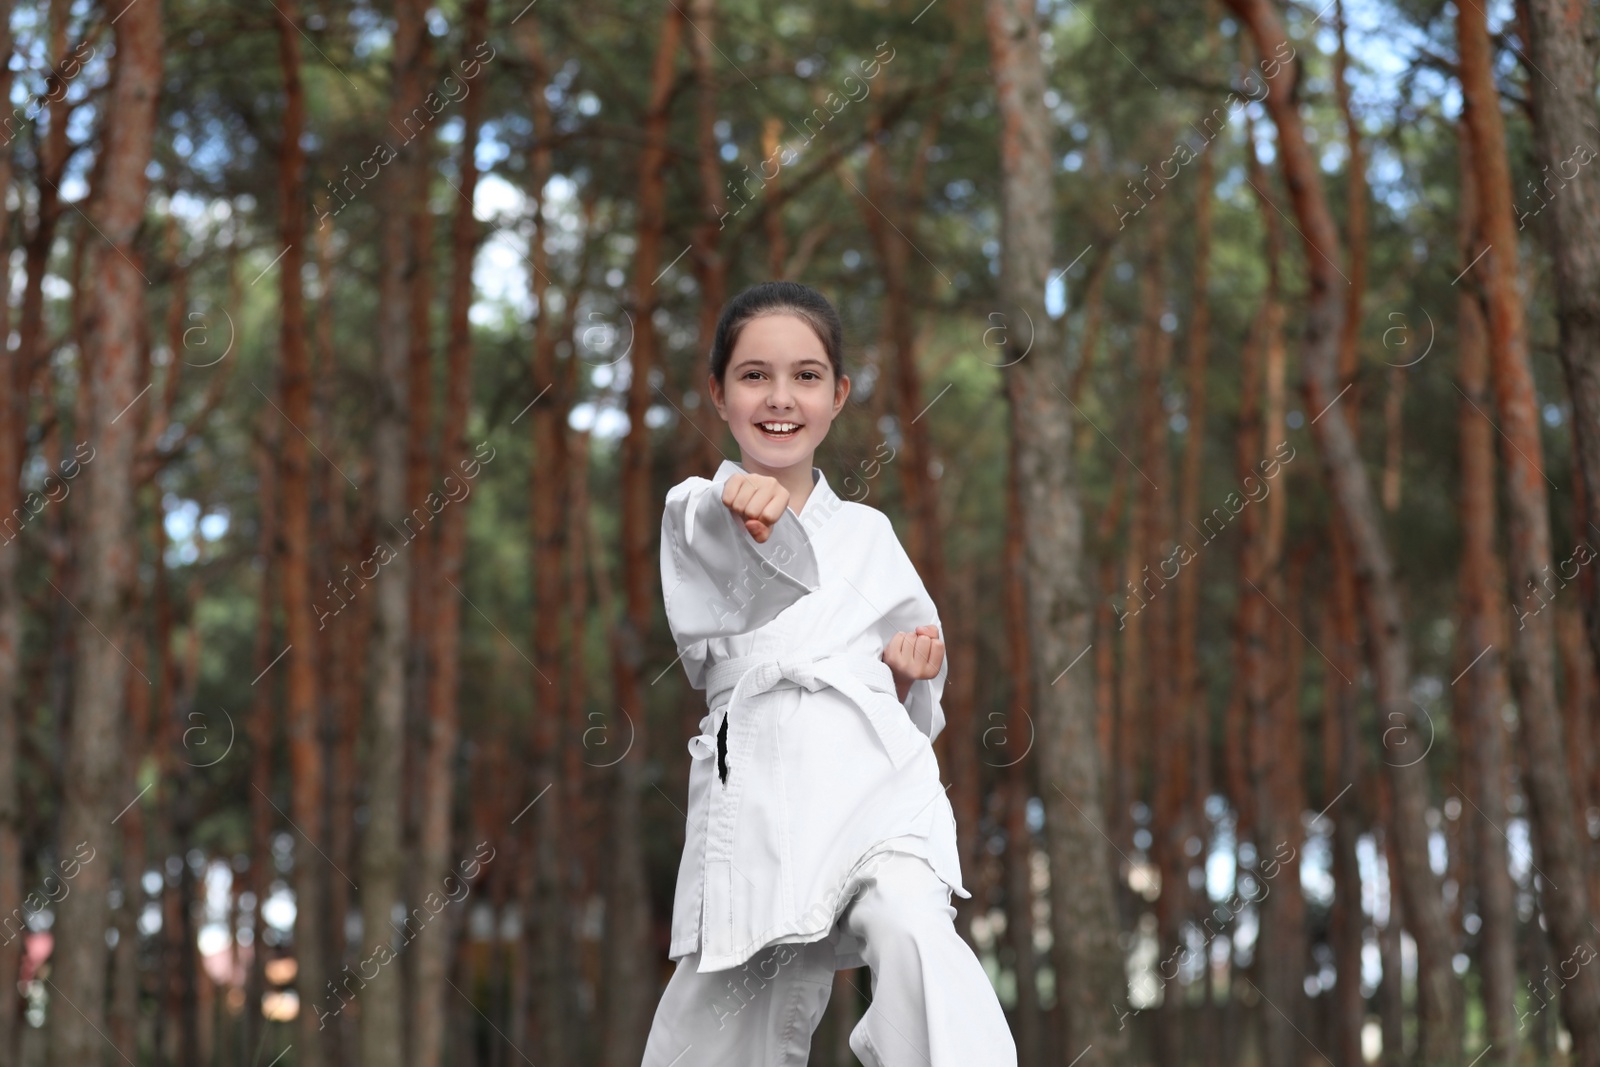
818 835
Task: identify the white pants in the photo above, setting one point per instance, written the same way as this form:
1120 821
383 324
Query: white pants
932 1004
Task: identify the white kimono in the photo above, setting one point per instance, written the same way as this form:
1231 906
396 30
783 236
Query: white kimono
824 766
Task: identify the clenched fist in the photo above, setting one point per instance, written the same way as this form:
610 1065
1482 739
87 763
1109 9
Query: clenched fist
758 500
914 656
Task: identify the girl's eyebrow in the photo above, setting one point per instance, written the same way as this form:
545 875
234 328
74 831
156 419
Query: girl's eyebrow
763 363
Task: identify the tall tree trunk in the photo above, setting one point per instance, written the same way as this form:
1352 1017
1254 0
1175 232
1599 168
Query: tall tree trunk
174 690
40 239
262 721
582 886
1440 991
553 1015
13 426
1015 784
418 536
113 311
1190 691
303 711
1564 862
1561 35
1156 714
1088 957
126 972
772 218
1391 987
629 986
342 680
710 264
443 629
1578 710
382 1028
1242 740
1482 688
1344 765
1342 787
1273 742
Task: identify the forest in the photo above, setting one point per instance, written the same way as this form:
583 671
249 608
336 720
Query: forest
1229 370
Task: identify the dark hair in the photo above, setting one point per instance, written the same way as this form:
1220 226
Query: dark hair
769 298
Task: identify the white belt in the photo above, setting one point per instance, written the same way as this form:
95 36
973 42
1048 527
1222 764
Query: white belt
857 677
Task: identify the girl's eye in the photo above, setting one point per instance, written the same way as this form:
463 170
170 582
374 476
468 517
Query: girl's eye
813 374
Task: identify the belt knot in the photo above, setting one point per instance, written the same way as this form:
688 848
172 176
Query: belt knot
799 670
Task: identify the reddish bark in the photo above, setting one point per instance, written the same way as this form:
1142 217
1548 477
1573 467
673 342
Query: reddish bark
629 988
307 771
13 421
1190 692
1344 776
443 575
1562 855
1015 785
1483 687
262 720
552 1017
1440 991
382 1018
112 313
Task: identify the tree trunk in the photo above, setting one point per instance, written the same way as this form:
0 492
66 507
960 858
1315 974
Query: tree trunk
582 886
303 712
1156 713
1561 36
1482 688
1564 862
1088 957
443 629
1273 741
41 237
262 721
382 1020
710 263
1578 708
342 680
1440 991
113 311
1015 784
1343 762
125 964
13 427
418 536
1343 781
554 1006
1191 695
630 989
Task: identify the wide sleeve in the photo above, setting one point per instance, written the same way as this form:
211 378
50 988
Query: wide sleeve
716 580
910 606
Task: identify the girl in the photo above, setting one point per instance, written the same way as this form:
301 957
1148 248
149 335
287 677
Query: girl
819 837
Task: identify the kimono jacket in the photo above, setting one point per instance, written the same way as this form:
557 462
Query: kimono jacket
807 764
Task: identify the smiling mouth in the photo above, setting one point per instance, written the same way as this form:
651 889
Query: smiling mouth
779 430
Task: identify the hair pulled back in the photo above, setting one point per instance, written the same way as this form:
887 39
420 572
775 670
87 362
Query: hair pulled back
773 298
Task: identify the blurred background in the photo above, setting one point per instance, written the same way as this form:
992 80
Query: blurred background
1230 371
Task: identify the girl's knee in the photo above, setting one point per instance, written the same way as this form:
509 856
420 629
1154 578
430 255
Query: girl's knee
889 917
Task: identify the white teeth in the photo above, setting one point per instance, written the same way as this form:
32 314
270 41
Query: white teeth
778 427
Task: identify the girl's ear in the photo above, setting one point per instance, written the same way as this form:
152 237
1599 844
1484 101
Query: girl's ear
841 393
714 388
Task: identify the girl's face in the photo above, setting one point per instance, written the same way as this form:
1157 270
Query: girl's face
781 396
